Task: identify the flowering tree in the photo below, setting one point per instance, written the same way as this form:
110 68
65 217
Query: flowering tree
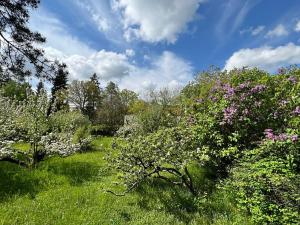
28 121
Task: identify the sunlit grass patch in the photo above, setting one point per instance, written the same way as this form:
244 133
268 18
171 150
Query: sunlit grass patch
21 146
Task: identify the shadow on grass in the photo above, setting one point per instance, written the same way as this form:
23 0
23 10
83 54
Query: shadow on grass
174 200
177 200
78 172
16 180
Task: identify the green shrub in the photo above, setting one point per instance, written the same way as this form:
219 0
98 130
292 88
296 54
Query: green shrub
83 137
266 183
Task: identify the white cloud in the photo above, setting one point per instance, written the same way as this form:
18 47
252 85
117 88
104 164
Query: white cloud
253 31
97 14
266 57
57 34
278 31
156 20
130 52
297 27
108 65
257 30
165 70
233 14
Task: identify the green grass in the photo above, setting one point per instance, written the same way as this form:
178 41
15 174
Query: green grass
72 191
21 146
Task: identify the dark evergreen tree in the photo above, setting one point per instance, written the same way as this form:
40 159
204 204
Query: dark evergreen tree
111 113
58 91
40 87
94 97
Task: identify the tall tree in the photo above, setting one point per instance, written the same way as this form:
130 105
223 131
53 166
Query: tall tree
78 95
111 112
58 91
128 97
94 96
18 43
40 87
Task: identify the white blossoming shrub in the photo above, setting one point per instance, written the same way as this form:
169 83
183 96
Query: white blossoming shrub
28 121
59 144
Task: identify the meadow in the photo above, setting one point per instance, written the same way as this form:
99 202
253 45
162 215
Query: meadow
72 190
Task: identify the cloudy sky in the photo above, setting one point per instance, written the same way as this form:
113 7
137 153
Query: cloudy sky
156 43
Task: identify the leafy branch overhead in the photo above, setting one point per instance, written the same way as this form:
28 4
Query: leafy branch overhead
18 44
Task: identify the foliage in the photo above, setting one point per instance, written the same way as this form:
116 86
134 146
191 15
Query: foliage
94 97
82 136
266 182
112 111
86 96
78 95
14 90
228 116
167 151
161 110
19 43
67 121
58 91
131 127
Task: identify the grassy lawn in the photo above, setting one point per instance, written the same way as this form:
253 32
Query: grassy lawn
72 191
21 146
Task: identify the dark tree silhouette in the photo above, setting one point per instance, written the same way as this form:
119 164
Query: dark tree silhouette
40 87
60 85
19 56
94 97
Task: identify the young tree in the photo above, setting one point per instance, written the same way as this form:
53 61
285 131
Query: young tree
18 42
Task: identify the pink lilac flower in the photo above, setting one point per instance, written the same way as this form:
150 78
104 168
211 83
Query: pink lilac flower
294 138
292 79
258 88
244 85
269 134
281 137
229 113
214 99
229 91
243 96
297 111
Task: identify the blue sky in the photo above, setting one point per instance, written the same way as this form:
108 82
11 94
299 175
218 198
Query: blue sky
145 44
